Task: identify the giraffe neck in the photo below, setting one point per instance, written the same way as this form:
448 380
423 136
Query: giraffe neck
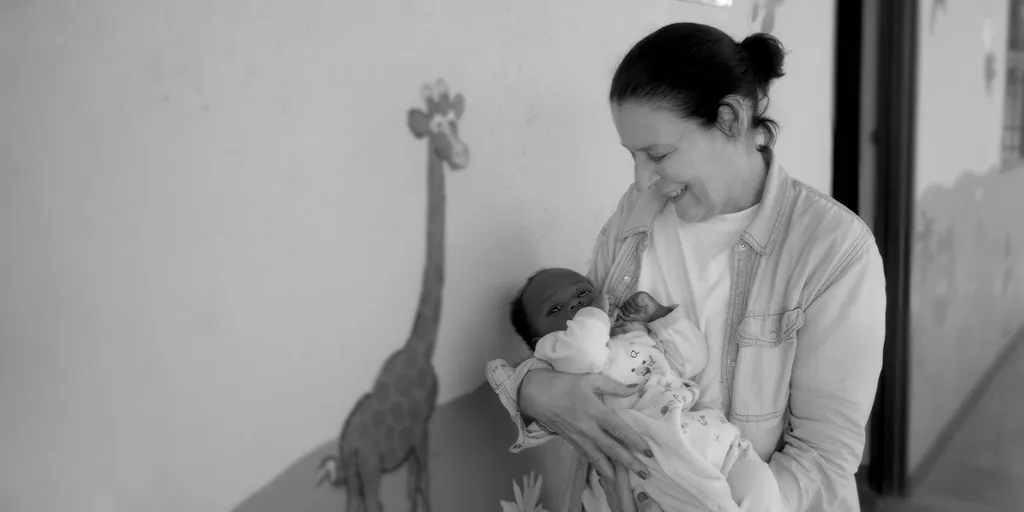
428 313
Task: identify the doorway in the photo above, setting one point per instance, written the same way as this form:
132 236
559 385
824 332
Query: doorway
875 73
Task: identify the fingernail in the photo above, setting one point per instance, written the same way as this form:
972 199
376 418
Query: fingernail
633 385
649 453
642 496
643 475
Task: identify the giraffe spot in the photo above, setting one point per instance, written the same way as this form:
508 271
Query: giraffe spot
398 412
378 419
409 362
423 375
415 410
382 392
394 453
406 436
404 384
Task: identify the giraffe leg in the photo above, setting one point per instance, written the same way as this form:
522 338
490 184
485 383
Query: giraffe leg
412 482
355 501
371 476
423 455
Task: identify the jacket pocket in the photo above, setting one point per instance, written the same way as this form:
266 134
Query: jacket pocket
764 365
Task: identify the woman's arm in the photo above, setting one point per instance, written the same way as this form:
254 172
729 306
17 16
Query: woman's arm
835 376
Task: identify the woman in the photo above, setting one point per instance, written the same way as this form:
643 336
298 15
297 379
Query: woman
786 284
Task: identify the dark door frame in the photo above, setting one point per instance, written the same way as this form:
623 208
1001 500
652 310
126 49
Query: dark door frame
895 146
894 141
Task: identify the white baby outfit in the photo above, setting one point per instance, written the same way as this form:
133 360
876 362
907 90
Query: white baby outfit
700 460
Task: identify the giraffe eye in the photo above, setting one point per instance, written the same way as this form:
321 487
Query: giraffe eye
437 123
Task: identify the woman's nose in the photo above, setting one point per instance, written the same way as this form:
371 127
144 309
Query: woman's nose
644 176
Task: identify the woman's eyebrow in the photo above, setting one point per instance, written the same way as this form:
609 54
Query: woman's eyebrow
647 147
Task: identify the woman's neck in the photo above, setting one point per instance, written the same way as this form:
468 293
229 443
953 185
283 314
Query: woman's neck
749 183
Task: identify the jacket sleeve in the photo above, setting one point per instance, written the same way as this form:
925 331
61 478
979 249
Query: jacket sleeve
835 375
505 379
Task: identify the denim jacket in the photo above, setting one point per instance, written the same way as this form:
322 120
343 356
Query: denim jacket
803 350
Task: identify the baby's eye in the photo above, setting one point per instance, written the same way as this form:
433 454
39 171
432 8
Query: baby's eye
554 309
584 293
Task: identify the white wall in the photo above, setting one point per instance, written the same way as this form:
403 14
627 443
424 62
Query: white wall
967 269
959 124
211 214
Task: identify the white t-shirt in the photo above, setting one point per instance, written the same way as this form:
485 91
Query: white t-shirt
690 264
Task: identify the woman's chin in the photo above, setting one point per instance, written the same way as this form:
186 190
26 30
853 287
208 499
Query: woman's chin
689 212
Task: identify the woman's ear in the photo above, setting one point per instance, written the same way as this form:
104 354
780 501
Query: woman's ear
734 116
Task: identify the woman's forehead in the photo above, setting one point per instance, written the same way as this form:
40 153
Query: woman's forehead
641 126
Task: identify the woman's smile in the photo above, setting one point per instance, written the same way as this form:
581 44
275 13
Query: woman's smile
677 195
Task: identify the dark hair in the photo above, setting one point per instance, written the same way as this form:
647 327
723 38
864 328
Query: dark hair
690 68
520 321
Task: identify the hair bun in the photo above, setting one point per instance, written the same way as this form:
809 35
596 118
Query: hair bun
764 55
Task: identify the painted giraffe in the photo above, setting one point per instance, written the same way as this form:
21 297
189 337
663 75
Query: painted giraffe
388 426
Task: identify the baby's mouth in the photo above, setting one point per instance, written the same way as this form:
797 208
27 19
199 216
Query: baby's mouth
678 193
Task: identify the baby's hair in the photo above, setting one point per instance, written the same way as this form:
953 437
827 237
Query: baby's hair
520 321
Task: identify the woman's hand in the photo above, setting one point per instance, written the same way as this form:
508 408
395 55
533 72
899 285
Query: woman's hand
567 405
621 497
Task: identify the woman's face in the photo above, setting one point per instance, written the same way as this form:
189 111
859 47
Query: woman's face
697 168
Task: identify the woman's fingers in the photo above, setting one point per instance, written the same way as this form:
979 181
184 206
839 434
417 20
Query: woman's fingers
624 492
608 447
624 434
645 503
594 455
607 386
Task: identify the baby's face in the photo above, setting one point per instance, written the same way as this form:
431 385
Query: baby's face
554 297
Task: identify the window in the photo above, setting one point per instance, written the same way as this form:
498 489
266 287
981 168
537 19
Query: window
1013 108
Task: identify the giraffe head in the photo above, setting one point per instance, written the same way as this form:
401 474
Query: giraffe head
440 124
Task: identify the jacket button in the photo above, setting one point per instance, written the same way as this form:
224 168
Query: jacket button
732 363
626 279
773 335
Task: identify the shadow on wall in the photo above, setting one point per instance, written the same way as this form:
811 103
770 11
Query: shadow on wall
968 258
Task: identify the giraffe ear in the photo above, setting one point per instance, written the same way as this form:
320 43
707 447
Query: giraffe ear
419 123
458 105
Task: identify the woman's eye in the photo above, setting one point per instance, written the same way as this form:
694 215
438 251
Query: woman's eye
554 310
657 158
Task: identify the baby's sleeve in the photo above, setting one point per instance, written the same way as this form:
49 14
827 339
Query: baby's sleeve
582 347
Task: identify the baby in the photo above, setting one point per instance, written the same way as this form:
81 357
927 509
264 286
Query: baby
700 460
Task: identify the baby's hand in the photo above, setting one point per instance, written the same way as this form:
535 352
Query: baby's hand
641 307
